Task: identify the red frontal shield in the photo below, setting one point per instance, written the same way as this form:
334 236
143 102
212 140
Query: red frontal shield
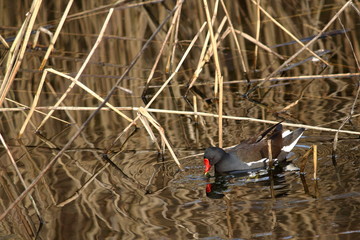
207 165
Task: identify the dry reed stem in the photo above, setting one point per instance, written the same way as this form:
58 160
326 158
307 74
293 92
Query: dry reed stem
290 34
24 107
120 4
161 89
91 92
210 50
23 194
37 96
33 105
258 44
3 41
218 75
98 40
305 46
303 160
205 55
37 35
305 186
145 123
270 154
13 52
177 13
13 162
16 59
344 122
165 83
214 48
352 110
177 67
315 160
350 44
158 127
195 108
190 113
73 121
221 96
355 8
293 104
215 12
174 40
57 32
130 66
303 77
220 111
257 35
81 128
243 65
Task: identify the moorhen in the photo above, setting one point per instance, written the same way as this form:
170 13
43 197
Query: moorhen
252 153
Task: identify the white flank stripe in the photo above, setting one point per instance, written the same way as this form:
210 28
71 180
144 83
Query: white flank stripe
260 161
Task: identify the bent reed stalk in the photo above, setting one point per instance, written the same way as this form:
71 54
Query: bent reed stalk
190 113
211 48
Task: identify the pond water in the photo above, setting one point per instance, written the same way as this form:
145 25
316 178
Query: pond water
144 194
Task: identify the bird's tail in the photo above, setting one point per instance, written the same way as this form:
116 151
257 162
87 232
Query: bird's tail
290 139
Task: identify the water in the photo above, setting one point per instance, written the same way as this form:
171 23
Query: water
80 197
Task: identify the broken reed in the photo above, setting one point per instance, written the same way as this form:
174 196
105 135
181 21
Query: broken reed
304 159
18 48
186 113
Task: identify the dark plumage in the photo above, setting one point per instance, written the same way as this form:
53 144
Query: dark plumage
252 153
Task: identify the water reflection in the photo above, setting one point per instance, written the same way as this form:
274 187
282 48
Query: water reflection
274 180
157 201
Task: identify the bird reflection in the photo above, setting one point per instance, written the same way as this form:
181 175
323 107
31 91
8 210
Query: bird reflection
274 179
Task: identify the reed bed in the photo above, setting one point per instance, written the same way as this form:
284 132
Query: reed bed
163 51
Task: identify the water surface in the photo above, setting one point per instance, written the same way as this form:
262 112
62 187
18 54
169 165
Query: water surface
81 197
